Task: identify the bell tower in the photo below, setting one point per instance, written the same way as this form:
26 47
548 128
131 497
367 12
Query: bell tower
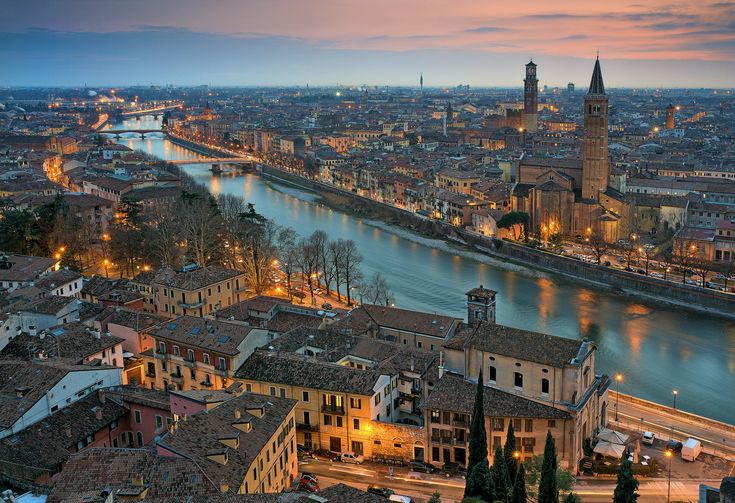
530 99
595 167
480 305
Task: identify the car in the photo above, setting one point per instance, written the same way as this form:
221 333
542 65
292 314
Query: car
606 263
325 455
308 486
657 275
303 451
380 491
400 498
327 306
310 478
351 457
451 468
648 437
674 446
419 466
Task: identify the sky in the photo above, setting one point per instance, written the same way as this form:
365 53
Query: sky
655 43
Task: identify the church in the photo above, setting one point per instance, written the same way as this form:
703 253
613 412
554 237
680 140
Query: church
572 196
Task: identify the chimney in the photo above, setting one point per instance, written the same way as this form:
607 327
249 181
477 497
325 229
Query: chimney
137 480
97 334
223 487
441 364
101 395
98 413
237 413
412 364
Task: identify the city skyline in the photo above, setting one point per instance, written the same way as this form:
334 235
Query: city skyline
250 43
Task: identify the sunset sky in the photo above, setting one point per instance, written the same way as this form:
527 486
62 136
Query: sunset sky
656 43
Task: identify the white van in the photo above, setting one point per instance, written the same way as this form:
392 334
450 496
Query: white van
400 498
691 449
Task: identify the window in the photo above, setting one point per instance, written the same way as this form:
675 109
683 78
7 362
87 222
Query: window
222 364
529 425
339 422
355 424
377 399
493 374
307 418
545 386
190 355
386 390
282 392
327 420
435 417
248 387
517 424
518 380
139 438
161 347
176 351
159 422
137 417
305 396
552 423
498 424
273 391
356 403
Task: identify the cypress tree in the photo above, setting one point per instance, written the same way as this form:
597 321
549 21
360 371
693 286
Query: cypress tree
480 483
547 489
572 498
509 450
625 491
519 487
500 476
478 436
435 498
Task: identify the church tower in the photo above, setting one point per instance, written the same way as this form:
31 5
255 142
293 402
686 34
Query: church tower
595 167
530 99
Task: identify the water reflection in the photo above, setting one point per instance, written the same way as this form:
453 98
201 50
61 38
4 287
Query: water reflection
656 348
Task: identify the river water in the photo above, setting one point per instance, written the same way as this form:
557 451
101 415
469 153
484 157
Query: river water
655 348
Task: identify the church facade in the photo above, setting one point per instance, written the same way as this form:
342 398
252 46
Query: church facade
572 196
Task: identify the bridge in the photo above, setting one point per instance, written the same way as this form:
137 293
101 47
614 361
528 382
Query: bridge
140 132
221 164
155 111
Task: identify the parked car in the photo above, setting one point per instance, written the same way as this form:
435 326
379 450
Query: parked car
419 466
380 491
308 485
325 455
327 306
308 477
400 498
351 457
648 437
303 451
674 446
691 449
450 469
657 275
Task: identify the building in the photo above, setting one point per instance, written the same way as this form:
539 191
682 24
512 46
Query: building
246 444
191 291
191 353
538 381
670 110
30 391
571 198
530 99
22 270
454 180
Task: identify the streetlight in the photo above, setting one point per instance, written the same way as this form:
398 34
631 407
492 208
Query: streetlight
618 378
107 262
675 393
669 455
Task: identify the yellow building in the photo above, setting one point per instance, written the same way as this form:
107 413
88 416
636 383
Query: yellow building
454 180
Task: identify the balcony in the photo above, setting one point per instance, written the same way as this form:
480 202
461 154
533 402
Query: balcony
307 427
159 355
416 390
221 372
188 363
177 378
333 409
150 374
460 423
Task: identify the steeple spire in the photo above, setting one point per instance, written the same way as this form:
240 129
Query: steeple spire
597 86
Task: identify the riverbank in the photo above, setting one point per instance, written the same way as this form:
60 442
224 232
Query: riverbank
636 285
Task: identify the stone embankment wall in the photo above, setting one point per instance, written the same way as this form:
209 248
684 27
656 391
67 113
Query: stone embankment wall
658 290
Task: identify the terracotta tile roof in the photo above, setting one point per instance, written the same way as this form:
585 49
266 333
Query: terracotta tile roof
157 399
218 336
25 268
196 279
130 318
201 434
93 470
73 341
48 443
56 279
291 369
453 393
51 304
521 344
435 325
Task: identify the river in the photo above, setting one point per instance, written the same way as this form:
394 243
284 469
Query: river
655 348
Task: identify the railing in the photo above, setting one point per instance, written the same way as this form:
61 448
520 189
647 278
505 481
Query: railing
307 427
331 409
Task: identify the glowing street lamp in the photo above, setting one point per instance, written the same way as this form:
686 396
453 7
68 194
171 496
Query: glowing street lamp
618 379
675 393
669 455
107 275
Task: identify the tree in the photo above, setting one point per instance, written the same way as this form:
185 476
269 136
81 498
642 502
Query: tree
519 487
20 233
625 490
478 435
376 290
325 267
479 483
629 250
350 265
509 452
512 221
683 255
647 252
256 238
729 272
598 246
200 227
572 498
308 263
336 250
161 233
666 259
702 266
548 491
435 498
501 480
289 256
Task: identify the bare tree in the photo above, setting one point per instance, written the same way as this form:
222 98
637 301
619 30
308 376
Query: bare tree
702 266
666 259
376 290
598 246
336 250
629 250
308 260
200 227
289 252
647 252
320 242
729 273
256 240
162 233
350 265
683 255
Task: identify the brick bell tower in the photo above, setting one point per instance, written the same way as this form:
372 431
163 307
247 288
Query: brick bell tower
530 99
595 167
